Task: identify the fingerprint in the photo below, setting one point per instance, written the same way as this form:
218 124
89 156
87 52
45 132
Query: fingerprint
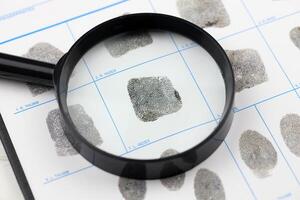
176 182
43 52
295 36
57 129
208 186
248 68
153 97
290 131
258 153
121 44
132 189
204 13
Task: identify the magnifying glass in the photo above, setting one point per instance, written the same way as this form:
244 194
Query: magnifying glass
149 83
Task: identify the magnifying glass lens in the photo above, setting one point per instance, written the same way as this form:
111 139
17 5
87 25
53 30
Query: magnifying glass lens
139 94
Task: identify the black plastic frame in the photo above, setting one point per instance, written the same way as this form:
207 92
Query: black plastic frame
153 168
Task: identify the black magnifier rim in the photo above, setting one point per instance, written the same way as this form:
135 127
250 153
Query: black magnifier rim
149 168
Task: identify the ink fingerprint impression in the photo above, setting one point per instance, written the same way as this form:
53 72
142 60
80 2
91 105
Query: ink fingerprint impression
58 130
153 97
290 131
132 189
42 52
204 13
208 185
258 153
176 182
248 68
295 36
138 90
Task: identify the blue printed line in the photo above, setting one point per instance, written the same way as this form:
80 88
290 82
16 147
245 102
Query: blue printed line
22 10
264 122
281 67
215 119
267 99
72 173
193 77
98 90
294 89
157 58
141 64
65 21
79 87
199 125
185 130
168 136
51 100
220 39
236 33
238 166
137 65
280 18
89 83
16 13
111 118
270 49
42 3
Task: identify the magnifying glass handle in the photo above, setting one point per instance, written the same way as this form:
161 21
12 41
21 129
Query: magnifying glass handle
26 70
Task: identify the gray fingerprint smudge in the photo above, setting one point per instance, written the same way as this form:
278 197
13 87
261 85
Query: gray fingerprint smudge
37 89
248 68
153 97
295 36
290 131
176 182
121 44
57 129
258 153
132 189
43 52
204 13
208 186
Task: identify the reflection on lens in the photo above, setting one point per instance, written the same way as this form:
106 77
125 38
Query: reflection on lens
146 92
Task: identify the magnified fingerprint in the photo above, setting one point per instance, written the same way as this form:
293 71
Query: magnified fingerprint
290 131
153 97
248 67
295 36
176 182
57 129
43 52
208 186
132 189
121 44
204 13
258 153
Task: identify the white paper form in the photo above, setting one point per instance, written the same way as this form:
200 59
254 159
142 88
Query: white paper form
263 26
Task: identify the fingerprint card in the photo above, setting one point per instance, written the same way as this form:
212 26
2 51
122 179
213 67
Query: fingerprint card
154 94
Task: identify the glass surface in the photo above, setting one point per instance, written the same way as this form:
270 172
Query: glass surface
146 94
